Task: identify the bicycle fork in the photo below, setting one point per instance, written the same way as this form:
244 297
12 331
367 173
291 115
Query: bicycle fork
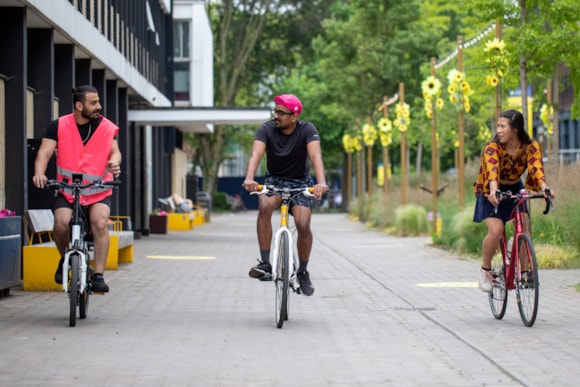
292 263
76 249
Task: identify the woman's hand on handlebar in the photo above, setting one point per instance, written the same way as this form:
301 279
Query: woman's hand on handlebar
548 190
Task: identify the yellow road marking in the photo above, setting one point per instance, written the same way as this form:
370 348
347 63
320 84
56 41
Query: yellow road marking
449 285
181 257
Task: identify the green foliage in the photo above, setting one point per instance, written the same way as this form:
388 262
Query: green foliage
220 202
411 220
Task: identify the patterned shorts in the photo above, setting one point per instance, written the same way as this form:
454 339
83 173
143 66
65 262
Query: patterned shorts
298 200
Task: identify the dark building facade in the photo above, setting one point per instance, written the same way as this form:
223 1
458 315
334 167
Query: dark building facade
124 49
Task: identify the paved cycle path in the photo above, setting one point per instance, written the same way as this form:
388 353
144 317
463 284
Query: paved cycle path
387 311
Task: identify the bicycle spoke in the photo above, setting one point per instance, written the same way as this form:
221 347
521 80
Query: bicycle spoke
499 294
282 280
73 288
527 290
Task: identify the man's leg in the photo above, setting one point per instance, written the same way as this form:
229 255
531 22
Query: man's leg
302 216
266 206
99 214
61 235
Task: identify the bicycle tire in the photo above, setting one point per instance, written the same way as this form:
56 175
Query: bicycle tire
84 296
73 288
282 280
499 295
528 289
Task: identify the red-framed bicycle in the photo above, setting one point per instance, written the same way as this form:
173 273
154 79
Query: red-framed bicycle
515 266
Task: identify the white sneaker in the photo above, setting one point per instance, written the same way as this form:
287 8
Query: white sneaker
484 280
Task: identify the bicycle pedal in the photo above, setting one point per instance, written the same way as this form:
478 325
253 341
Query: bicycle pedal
266 277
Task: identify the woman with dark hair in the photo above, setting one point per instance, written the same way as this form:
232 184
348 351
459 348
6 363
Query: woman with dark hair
504 160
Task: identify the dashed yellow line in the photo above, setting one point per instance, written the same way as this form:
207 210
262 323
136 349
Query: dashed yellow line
181 257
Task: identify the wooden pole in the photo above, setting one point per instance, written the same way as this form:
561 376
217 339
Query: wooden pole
403 151
549 142
461 126
348 179
370 167
434 163
359 185
385 153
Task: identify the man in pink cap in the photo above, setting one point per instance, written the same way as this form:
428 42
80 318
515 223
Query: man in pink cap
288 144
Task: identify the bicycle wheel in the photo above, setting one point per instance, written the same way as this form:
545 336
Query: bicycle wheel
73 288
528 287
499 295
84 296
282 280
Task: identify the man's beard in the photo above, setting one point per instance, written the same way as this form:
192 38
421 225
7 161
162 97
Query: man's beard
85 114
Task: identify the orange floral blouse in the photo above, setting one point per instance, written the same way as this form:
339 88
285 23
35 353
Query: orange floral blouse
497 165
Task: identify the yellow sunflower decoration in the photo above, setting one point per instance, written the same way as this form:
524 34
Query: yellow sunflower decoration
459 90
369 134
403 118
431 88
497 61
350 143
385 127
546 115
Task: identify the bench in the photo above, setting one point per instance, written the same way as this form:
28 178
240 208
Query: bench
40 256
183 221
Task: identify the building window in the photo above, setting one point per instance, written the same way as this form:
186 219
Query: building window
181 79
181 39
182 61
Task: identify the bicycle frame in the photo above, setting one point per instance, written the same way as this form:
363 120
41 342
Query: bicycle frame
284 276
284 219
77 243
507 272
517 217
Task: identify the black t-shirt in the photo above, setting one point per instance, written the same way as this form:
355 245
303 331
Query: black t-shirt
86 131
287 156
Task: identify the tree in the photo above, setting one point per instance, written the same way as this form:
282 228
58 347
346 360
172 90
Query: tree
542 35
256 42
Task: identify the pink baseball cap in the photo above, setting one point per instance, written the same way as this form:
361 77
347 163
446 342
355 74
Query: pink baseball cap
289 101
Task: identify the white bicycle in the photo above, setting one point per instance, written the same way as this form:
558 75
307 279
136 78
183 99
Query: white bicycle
283 257
76 269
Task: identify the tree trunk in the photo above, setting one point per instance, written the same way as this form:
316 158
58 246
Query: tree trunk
556 118
523 69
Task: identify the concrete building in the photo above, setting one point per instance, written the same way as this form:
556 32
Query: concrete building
154 76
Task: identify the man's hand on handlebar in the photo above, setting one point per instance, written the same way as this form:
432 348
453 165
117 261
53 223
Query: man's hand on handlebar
114 168
250 185
320 190
39 181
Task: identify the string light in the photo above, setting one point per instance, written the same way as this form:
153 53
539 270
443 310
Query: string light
467 44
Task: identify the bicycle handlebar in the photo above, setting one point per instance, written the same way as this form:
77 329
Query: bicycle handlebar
78 184
525 195
266 189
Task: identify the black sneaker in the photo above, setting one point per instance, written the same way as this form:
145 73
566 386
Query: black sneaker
58 273
305 284
99 285
263 271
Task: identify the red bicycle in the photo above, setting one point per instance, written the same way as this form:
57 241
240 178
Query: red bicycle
515 265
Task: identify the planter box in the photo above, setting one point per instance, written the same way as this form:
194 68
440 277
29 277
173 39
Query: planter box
10 252
158 224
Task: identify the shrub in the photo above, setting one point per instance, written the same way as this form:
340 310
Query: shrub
410 220
220 202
